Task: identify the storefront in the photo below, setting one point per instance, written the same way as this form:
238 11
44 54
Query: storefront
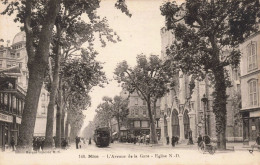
251 125
6 122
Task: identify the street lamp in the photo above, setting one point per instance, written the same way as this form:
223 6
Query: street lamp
205 101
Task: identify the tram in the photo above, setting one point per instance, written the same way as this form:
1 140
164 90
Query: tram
102 137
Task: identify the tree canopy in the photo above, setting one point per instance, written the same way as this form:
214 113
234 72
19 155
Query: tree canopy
151 78
207 34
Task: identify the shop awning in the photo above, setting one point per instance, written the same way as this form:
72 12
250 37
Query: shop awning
114 133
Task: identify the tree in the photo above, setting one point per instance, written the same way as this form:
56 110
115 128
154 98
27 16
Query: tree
203 30
71 32
150 78
103 115
118 108
38 52
39 18
88 131
79 76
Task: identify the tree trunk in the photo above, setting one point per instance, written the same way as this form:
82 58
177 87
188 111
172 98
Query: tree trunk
67 125
37 64
118 125
219 108
53 94
62 123
58 118
36 76
67 129
153 139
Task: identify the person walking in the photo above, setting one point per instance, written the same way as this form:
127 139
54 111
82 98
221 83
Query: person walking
199 139
173 141
42 143
167 140
13 143
77 142
258 141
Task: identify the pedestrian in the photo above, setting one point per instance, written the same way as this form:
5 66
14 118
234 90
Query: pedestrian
147 139
80 142
39 142
35 144
53 142
134 139
167 140
173 141
190 138
89 142
13 143
77 142
258 140
42 143
64 143
199 139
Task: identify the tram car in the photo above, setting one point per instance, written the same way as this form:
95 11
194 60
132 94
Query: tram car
102 137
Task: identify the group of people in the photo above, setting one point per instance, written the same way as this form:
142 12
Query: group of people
78 142
143 139
140 139
174 140
64 143
38 143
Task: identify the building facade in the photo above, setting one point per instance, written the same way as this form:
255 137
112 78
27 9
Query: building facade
250 83
16 55
188 107
12 98
138 118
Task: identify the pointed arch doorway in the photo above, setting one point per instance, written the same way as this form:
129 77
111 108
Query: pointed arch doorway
175 123
165 127
186 123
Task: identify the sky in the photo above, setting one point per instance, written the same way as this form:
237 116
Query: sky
139 34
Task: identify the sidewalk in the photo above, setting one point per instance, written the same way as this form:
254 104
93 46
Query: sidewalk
231 146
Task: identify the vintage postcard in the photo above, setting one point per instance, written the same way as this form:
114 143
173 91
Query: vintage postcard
129 82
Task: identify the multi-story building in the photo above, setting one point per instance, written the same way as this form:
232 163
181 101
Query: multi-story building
250 83
184 110
12 97
138 118
16 55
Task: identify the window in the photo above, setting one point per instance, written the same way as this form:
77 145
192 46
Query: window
12 55
136 112
145 124
48 97
251 58
253 95
137 124
18 55
192 105
43 110
144 102
20 64
144 111
1 64
1 54
43 97
9 64
136 101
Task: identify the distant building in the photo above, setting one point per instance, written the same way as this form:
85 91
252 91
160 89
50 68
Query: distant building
138 118
250 83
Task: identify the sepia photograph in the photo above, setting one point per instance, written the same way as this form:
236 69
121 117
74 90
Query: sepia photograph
105 82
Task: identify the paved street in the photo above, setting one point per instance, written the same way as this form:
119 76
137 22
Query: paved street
125 153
